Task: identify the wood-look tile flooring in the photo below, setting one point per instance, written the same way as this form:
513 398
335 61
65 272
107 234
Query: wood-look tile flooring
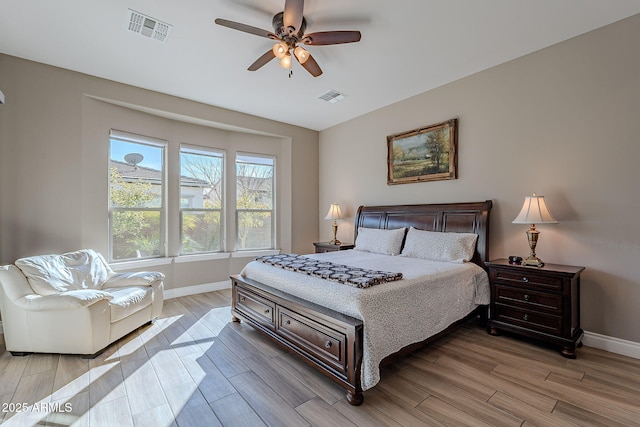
194 367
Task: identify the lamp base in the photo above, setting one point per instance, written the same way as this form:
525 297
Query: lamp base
335 240
534 261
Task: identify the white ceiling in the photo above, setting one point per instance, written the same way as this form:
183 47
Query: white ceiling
407 47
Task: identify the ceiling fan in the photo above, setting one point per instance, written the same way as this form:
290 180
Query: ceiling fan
288 31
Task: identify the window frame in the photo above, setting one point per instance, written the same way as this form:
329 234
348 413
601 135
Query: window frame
212 152
273 209
163 146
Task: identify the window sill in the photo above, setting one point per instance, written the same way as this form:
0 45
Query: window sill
154 262
201 257
143 263
253 254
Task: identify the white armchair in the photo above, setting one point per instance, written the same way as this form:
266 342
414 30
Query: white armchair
73 303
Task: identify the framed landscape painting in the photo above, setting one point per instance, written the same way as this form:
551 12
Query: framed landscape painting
425 154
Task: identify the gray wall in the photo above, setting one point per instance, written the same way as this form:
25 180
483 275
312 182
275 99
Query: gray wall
54 160
563 122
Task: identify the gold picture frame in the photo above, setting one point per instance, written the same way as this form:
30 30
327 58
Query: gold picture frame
425 154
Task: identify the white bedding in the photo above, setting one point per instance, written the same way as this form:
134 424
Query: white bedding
431 296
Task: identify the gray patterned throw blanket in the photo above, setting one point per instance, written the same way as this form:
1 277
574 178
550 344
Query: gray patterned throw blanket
354 276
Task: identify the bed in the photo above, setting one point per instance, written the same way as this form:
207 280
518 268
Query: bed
347 332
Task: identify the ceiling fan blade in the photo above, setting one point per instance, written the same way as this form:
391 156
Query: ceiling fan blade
246 28
268 56
293 10
331 37
311 66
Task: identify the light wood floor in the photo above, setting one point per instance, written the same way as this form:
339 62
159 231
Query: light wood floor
194 367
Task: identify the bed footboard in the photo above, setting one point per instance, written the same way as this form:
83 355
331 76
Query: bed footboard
327 340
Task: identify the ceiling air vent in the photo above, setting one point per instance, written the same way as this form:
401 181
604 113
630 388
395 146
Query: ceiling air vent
148 26
333 96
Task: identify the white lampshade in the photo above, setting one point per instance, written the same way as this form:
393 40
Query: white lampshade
534 211
334 212
285 62
280 50
301 54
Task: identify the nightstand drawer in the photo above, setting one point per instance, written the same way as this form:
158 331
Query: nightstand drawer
322 247
529 280
527 298
323 250
546 323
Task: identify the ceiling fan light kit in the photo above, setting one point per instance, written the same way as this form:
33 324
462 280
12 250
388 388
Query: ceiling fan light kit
280 50
289 29
301 54
285 62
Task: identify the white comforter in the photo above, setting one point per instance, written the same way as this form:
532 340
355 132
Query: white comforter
431 296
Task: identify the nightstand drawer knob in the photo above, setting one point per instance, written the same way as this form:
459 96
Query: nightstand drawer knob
267 311
327 344
526 297
525 279
525 317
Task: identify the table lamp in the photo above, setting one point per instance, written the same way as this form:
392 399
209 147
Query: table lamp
334 213
534 211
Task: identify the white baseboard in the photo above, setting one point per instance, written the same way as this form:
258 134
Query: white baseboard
611 344
197 289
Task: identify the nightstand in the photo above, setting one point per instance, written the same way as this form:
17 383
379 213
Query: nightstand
328 247
540 303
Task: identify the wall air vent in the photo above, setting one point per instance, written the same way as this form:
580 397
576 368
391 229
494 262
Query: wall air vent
333 96
148 26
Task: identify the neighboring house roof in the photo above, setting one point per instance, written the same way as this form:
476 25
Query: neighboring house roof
130 172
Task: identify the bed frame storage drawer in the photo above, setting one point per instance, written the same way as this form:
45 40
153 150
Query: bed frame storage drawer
260 309
331 342
326 344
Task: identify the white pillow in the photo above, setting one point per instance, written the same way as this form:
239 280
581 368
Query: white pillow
438 246
380 241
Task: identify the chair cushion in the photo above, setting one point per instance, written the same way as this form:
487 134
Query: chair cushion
127 301
51 274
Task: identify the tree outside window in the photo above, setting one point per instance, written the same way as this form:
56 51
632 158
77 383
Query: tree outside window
255 202
201 200
136 193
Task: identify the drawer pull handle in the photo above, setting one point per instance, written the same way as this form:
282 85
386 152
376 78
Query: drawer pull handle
242 299
288 322
267 311
526 297
327 344
525 317
525 279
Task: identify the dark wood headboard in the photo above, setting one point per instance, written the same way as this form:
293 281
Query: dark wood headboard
446 217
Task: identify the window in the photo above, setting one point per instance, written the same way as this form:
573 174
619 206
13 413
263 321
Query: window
136 196
201 200
255 201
